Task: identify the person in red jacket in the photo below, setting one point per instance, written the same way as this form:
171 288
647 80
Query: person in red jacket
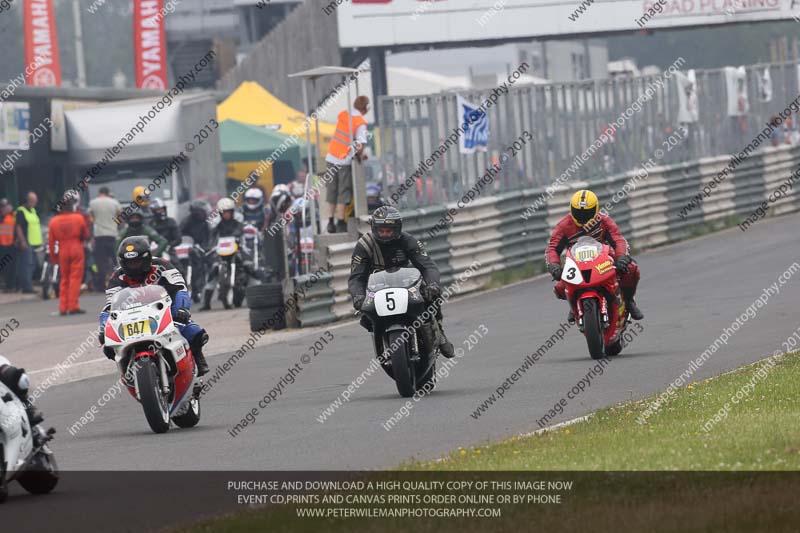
67 233
585 219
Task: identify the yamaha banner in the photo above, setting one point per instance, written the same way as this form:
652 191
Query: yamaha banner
43 68
149 44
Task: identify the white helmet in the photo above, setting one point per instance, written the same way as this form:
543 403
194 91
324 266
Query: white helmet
253 199
225 204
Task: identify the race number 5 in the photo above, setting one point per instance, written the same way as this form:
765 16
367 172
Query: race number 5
390 303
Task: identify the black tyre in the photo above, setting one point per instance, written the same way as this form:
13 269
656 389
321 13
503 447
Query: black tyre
45 290
225 289
238 297
614 348
41 476
404 373
265 295
592 329
155 405
267 317
3 481
191 417
427 382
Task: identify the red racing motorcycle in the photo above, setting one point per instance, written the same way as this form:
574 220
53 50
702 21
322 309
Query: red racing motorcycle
594 294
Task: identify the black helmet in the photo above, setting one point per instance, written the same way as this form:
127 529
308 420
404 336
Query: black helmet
386 223
158 208
198 209
135 257
135 218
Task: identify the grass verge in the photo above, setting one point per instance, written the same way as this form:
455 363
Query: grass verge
714 435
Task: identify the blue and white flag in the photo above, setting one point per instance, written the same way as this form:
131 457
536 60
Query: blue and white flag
476 127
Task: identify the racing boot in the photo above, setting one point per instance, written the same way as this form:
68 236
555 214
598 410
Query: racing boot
571 317
630 304
445 346
197 351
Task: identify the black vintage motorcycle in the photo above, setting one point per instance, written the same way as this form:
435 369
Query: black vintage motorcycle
406 341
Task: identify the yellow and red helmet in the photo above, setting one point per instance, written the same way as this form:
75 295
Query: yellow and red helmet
584 207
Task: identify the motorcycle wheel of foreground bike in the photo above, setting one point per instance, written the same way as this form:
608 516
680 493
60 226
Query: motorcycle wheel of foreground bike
405 376
156 409
191 417
592 329
41 476
3 481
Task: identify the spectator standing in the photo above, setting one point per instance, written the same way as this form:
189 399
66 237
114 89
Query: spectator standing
28 236
340 156
7 252
69 229
104 210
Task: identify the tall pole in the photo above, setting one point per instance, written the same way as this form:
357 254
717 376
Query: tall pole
79 60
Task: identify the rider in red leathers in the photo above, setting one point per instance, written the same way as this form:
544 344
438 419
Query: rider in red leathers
585 219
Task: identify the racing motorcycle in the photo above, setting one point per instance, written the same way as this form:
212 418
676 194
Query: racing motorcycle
49 277
405 345
153 357
189 258
227 275
24 454
594 294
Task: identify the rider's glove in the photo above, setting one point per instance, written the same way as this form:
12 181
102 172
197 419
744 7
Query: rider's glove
622 263
432 291
182 316
358 301
555 270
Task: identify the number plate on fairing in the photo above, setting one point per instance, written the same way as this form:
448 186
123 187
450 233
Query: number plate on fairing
390 302
571 273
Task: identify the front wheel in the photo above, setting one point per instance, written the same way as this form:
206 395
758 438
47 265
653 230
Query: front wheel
155 405
41 475
191 417
402 369
592 329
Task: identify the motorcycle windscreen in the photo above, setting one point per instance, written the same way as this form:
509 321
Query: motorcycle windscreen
586 249
132 297
400 278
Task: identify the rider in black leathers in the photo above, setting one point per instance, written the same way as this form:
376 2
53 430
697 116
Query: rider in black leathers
196 225
164 225
385 247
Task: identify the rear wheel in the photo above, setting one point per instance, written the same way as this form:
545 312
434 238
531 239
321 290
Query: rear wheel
41 476
403 370
592 329
191 417
614 348
156 408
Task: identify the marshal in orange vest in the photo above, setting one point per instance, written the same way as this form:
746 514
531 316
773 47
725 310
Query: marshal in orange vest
339 146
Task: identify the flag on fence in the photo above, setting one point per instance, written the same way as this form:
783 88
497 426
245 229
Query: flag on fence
476 127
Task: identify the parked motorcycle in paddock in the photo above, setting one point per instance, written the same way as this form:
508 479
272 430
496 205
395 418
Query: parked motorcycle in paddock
189 258
406 345
25 456
49 278
594 294
228 275
154 359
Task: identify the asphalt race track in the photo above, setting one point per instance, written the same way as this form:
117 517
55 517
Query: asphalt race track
689 292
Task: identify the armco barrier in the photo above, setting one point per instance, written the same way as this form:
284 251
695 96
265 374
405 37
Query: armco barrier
492 231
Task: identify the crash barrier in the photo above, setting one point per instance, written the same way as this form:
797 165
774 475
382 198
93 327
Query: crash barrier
493 233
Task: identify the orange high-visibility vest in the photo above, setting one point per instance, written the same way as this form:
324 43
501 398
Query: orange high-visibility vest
7 230
339 146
